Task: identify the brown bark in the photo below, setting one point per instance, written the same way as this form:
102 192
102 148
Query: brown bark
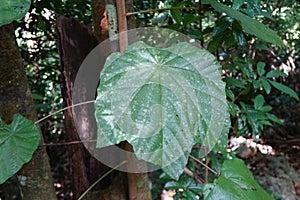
99 19
75 43
15 97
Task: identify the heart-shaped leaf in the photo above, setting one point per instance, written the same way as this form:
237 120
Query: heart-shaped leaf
161 100
236 182
18 141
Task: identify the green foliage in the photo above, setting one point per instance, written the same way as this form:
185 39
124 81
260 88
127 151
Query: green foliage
250 25
174 97
235 182
11 10
252 116
186 188
18 141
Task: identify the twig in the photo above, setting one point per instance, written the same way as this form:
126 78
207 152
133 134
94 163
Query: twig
122 24
191 174
65 108
102 177
206 169
210 169
67 143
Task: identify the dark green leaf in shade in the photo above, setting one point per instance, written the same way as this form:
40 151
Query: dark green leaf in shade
261 68
259 102
284 89
18 141
176 14
266 85
274 118
265 109
275 73
234 82
230 94
195 34
256 84
190 18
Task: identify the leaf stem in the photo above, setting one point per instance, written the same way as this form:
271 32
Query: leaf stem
102 177
210 169
65 108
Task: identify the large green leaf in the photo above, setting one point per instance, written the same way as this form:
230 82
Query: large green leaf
236 182
160 100
250 25
11 10
18 141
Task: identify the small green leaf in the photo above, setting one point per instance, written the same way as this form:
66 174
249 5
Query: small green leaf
176 14
232 108
234 82
230 94
276 73
274 118
265 122
235 183
284 89
266 85
265 108
259 102
261 68
11 10
195 34
18 141
250 25
256 84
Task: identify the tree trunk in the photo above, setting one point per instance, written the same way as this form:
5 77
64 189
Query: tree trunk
15 97
75 43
